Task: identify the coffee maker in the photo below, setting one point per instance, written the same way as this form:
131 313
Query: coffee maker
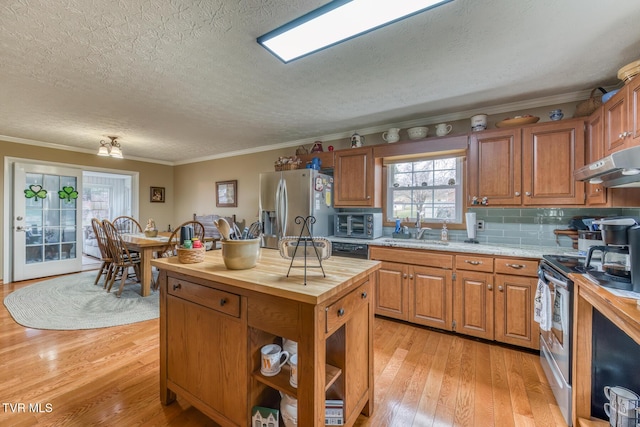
616 254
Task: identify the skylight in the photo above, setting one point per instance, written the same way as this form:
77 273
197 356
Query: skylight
338 21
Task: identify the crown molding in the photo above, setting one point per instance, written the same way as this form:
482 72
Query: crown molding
75 149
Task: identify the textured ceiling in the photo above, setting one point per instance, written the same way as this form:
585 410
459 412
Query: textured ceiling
181 81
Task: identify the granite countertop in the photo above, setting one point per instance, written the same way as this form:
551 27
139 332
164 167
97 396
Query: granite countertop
452 246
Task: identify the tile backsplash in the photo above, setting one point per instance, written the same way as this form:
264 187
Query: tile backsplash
528 227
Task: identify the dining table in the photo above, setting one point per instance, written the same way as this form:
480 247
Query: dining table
146 247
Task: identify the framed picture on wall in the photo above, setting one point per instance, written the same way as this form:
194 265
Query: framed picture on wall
157 195
227 194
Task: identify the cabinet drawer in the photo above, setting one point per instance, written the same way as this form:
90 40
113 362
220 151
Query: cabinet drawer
340 311
474 263
214 299
518 267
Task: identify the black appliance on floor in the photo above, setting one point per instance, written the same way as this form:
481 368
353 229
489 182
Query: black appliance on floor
614 362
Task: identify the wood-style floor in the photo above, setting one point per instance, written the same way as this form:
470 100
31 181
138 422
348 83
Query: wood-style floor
110 376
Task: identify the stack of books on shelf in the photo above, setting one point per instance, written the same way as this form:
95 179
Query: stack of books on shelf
334 413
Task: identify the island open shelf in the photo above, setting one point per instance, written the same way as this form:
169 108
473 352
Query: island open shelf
280 382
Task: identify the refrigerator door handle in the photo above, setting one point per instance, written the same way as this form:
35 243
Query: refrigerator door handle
278 197
285 208
277 207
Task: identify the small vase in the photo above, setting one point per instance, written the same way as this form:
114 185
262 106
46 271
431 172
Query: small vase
556 114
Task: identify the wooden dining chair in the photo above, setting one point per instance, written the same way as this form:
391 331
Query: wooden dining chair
122 259
126 224
105 255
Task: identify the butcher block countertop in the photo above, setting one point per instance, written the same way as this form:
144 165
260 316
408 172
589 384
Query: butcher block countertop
269 276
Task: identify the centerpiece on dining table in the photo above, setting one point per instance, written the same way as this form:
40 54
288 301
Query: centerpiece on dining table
150 230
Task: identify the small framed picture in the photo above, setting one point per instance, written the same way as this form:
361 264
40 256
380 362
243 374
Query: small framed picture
157 195
227 194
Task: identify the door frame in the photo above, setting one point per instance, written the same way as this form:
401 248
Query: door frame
7 228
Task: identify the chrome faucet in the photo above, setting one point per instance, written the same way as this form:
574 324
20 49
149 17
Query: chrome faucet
421 232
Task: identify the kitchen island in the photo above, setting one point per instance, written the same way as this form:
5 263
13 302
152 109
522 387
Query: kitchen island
622 312
214 321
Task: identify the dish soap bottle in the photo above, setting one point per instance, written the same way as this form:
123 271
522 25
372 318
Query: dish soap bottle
444 236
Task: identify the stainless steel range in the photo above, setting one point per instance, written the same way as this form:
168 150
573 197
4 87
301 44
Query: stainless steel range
556 347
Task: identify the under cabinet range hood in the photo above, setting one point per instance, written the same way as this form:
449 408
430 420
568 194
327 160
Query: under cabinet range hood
620 169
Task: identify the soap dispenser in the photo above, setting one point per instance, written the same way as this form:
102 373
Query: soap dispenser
445 233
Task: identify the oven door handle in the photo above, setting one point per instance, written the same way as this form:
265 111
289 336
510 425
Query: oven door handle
555 281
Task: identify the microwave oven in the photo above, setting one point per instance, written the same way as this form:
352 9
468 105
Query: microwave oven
358 225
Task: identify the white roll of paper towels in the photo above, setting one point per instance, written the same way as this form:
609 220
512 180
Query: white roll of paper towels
471 227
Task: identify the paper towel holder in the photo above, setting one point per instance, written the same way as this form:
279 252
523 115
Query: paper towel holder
471 227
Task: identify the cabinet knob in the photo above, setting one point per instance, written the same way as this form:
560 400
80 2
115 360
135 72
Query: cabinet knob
411 277
620 135
223 301
473 262
177 286
364 295
500 288
597 189
368 197
517 193
516 266
404 276
528 193
341 312
490 287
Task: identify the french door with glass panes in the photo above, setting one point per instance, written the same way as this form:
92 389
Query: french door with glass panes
47 237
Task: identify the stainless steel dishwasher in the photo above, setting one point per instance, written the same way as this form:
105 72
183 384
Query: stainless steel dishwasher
350 250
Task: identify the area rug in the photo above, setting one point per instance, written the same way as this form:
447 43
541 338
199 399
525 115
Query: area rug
74 302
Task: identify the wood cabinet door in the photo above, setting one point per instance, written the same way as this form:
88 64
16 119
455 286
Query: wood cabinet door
197 362
355 175
494 167
391 291
616 123
633 89
473 304
596 193
357 363
514 311
551 153
430 297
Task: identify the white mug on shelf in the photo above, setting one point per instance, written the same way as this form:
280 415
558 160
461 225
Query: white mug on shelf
479 122
618 419
293 379
392 135
443 129
272 359
622 405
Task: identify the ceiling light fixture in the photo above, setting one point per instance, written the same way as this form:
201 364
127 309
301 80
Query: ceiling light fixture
338 21
110 148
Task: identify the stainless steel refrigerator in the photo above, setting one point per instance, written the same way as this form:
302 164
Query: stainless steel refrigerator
288 194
